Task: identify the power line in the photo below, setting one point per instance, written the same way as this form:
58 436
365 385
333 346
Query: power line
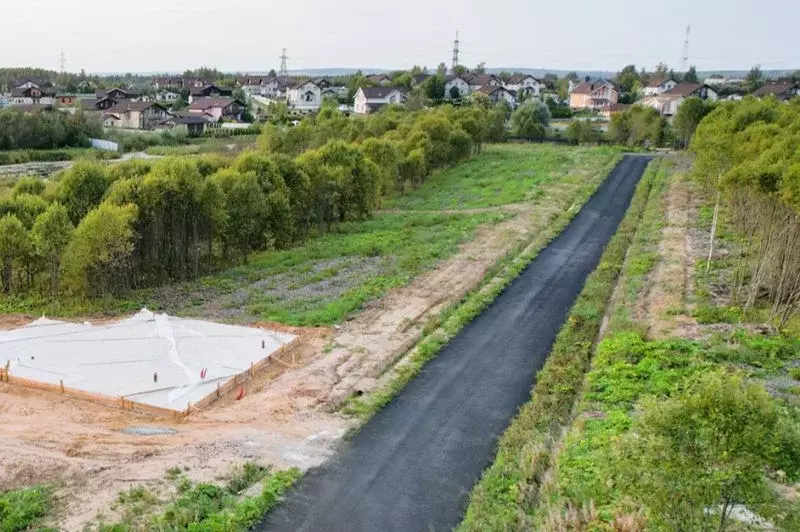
284 71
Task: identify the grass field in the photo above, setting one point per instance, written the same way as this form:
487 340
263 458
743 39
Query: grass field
198 146
503 174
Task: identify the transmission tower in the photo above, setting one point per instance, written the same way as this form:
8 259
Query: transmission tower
685 56
62 59
456 44
284 71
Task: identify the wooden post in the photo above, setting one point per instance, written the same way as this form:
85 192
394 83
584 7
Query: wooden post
252 371
188 407
61 383
122 402
217 389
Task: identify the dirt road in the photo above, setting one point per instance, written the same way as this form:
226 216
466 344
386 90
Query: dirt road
413 466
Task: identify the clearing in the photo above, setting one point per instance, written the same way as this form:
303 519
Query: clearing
398 270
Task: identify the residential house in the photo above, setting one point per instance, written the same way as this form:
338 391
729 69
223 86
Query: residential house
129 114
179 82
209 91
97 104
498 93
218 108
305 96
66 100
477 81
593 95
659 85
334 93
193 124
419 79
783 91
369 99
611 110
31 93
524 84
380 79
668 103
457 82
167 95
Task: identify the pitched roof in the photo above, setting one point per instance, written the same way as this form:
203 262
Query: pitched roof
303 82
123 106
489 89
591 86
201 104
376 93
419 78
516 80
211 88
683 89
481 79
658 81
775 89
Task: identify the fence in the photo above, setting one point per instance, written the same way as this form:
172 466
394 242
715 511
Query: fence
124 403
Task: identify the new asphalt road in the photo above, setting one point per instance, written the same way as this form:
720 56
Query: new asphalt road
411 468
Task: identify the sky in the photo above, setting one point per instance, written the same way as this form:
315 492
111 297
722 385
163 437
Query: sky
248 35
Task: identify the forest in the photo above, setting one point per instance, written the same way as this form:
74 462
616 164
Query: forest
102 230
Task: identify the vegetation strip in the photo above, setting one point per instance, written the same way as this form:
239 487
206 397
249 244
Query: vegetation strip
508 487
444 327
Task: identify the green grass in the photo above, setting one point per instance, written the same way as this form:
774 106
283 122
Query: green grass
23 509
203 145
503 174
205 507
509 488
62 154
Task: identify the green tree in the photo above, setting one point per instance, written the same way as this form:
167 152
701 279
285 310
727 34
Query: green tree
754 78
412 169
14 248
480 69
28 185
691 75
51 234
97 260
246 207
434 87
530 120
82 187
710 446
627 79
688 117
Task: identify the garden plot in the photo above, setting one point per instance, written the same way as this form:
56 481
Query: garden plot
151 359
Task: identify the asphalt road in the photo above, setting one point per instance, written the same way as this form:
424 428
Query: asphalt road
412 467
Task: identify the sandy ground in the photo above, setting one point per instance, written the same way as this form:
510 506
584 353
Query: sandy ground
287 417
672 282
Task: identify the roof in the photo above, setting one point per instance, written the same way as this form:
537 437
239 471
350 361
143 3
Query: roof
451 77
516 80
419 78
657 82
489 89
683 89
201 91
378 93
775 89
201 104
123 106
101 93
301 83
481 79
591 86
191 119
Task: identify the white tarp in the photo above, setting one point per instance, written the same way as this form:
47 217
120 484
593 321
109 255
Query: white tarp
148 358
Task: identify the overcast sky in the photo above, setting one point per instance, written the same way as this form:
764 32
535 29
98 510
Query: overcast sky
171 35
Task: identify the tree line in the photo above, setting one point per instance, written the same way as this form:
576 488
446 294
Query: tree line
46 130
102 230
747 155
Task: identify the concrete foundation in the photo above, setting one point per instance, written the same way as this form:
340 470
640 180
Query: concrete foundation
151 359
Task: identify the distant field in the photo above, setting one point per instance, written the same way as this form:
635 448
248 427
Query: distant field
226 145
503 174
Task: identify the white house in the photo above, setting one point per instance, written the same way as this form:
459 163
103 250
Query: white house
30 93
369 99
657 86
497 93
305 96
668 103
527 85
478 81
456 82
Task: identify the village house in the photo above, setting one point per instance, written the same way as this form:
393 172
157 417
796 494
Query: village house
456 82
667 104
593 95
193 124
478 81
498 93
783 91
209 91
179 82
370 99
130 114
218 108
31 93
66 100
305 96
659 85
115 94
527 85
97 104
380 79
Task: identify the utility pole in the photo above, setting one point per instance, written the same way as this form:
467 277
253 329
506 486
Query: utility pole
284 71
456 44
685 57
62 59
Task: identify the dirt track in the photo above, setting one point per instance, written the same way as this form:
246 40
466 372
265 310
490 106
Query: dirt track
413 466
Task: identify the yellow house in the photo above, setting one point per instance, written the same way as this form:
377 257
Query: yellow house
594 95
